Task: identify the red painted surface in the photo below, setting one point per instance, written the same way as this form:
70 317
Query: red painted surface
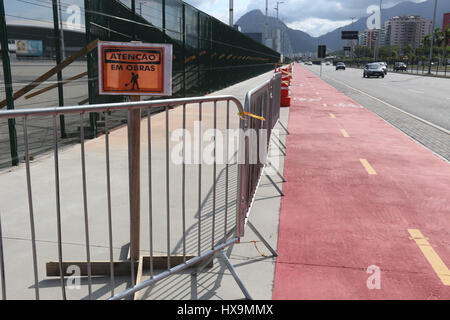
336 220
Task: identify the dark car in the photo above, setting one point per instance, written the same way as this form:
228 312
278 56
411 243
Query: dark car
373 70
400 66
340 66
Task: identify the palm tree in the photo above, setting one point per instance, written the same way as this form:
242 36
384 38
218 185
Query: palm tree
427 41
438 41
438 37
409 52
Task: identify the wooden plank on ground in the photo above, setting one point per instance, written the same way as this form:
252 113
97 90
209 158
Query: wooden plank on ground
53 86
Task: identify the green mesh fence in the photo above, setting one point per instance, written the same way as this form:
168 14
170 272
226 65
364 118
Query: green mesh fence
208 54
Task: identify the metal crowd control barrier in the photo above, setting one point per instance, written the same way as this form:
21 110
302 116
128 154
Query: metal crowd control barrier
263 101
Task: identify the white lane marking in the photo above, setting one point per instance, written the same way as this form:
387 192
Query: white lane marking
346 105
391 106
416 91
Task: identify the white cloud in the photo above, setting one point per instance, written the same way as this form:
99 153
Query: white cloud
316 26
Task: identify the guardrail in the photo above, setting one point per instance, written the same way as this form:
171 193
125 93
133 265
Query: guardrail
418 67
263 102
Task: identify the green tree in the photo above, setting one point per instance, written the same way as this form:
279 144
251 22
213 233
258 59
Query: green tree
363 52
409 52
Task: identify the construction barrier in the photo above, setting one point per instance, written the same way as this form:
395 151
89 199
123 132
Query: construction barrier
197 227
286 81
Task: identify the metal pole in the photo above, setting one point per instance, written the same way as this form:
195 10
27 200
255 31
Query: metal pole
59 56
63 46
432 36
266 26
135 180
164 15
8 86
377 48
91 64
278 22
352 41
231 13
184 47
2 263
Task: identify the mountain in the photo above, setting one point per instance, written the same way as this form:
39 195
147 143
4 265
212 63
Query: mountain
299 41
423 9
255 21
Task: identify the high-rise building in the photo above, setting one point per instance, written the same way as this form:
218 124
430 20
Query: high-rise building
369 38
362 38
446 21
406 30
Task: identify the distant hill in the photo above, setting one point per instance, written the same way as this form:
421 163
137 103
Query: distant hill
299 41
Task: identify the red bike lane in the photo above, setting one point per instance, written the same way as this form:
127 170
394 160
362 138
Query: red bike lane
366 212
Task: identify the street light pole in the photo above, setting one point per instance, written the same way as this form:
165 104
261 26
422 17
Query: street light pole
352 41
377 49
61 29
266 23
278 22
432 36
231 13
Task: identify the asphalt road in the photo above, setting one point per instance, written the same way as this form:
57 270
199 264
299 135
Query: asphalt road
424 97
416 105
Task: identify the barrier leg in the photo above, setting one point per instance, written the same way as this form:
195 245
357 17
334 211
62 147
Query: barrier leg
194 286
279 147
255 231
281 142
275 185
284 128
235 275
2 263
276 170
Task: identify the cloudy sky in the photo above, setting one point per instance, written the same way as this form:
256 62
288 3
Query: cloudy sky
316 17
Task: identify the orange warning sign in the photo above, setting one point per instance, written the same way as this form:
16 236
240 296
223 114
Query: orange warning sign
135 68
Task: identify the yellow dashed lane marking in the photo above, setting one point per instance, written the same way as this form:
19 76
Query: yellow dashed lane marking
332 115
368 167
344 133
433 258
325 105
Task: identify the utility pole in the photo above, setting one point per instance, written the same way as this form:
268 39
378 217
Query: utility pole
432 36
278 22
352 42
266 24
377 49
231 13
8 86
61 29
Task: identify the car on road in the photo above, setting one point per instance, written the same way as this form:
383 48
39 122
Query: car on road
328 63
340 66
400 66
309 63
373 70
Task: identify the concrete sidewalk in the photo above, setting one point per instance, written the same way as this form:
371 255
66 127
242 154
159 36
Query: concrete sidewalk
361 196
255 269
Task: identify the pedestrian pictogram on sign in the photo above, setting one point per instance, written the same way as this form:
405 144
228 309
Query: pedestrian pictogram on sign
135 68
